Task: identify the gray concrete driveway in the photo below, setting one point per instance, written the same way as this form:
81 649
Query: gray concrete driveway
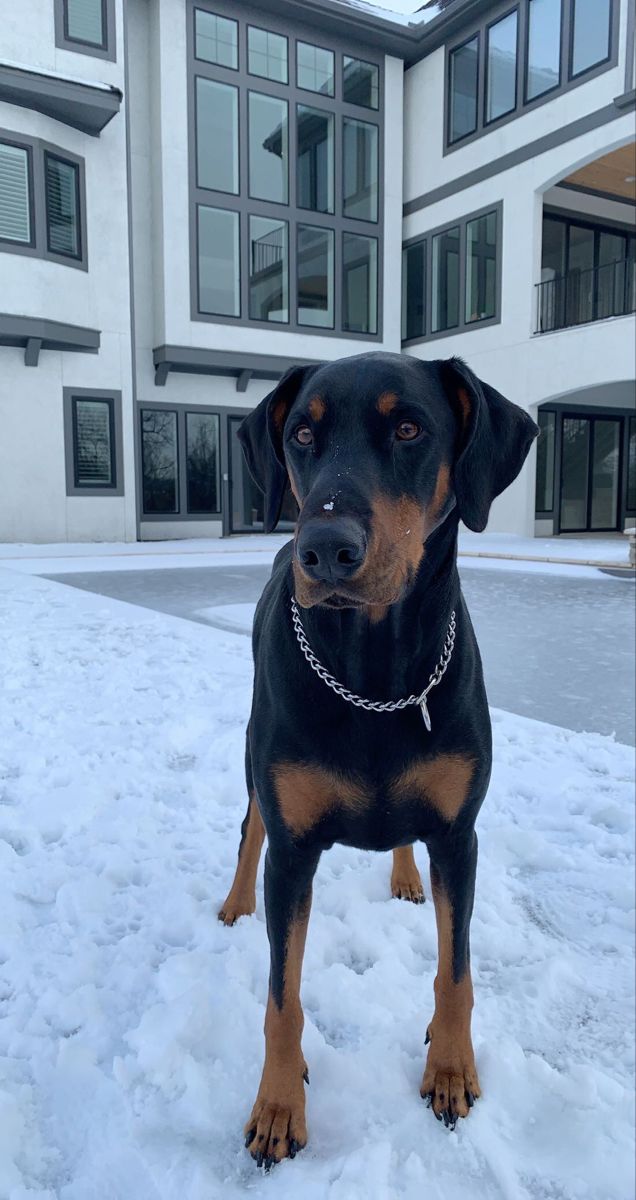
556 648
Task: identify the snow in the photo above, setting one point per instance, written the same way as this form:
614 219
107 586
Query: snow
64 76
131 1020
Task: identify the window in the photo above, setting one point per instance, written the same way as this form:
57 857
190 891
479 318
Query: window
217 136
501 67
523 54
544 47
587 272
315 276
454 275
269 272
545 462
269 148
314 68
286 158
216 39
360 83
86 27
360 283
202 462
590 34
631 466
267 54
93 442
360 146
62 206
463 90
315 158
159 448
413 291
15 198
42 201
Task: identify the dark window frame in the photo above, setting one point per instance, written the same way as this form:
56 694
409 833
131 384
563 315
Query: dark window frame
566 83
113 398
38 247
571 74
336 62
181 410
212 13
543 512
404 290
343 281
462 223
108 401
165 408
216 317
364 63
189 411
254 75
200 186
587 412
489 122
246 206
373 125
48 154
107 50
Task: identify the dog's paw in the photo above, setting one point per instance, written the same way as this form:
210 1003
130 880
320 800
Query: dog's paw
407 885
237 905
450 1091
276 1130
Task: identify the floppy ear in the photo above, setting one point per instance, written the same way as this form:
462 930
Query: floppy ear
261 436
497 436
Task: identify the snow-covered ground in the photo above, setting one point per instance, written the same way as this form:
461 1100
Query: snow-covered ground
131 1020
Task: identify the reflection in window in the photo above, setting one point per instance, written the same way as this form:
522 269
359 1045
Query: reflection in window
217 136
15 207
314 68
315 276
202 462
502 67
413 285
463 90
216 39
268 139
315 159
445 271
62 206
159 460
590 40
360 170
545 461
266 54
360 283
544 47
481 268
360 83
93 443
219 262
269 274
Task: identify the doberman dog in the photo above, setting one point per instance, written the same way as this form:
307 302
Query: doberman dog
384 454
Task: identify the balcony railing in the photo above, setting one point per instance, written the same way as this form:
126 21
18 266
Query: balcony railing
583 296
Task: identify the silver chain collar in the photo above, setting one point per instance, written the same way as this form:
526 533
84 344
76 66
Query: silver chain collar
377 705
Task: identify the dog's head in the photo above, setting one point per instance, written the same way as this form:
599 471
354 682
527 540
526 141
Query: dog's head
378 450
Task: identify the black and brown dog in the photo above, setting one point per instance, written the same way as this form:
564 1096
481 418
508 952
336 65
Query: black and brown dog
384 454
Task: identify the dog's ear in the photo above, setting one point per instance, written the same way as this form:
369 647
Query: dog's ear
495 438
261 436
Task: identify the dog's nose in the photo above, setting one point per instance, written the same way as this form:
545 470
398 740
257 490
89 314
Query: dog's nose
330 550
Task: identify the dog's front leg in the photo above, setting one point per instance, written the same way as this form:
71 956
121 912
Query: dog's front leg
450 1080
276 1128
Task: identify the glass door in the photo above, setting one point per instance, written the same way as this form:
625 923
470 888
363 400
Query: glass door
246 501
590 474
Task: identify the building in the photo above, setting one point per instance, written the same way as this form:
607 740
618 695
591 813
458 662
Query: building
195 195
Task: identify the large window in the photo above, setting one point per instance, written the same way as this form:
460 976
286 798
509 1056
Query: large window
545 461
588 272
286 163
530 51
93 442
86 27
42 209
180 461
451 277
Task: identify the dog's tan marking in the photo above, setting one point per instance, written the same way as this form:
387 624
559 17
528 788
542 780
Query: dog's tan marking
277 1119
406 881
464 405
442 484
241 898
386 403
317 408
305 794
443 782
450 1076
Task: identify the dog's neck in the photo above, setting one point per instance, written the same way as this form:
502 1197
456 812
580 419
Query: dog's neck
384 654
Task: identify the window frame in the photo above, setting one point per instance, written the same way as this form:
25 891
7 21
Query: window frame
246 206
39 245
108 49
114 399
479 28
462 223
546 512
300 40
254 74
181 410
490 122
48 154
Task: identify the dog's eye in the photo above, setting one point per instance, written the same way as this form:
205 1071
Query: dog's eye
303 435
407 431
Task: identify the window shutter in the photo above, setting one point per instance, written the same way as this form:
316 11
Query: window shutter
93 452
84 20
15 216
61 207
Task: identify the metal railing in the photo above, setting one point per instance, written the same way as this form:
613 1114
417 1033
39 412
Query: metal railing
583 296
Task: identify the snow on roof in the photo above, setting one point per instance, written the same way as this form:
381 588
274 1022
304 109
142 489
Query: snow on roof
62 76
402 12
